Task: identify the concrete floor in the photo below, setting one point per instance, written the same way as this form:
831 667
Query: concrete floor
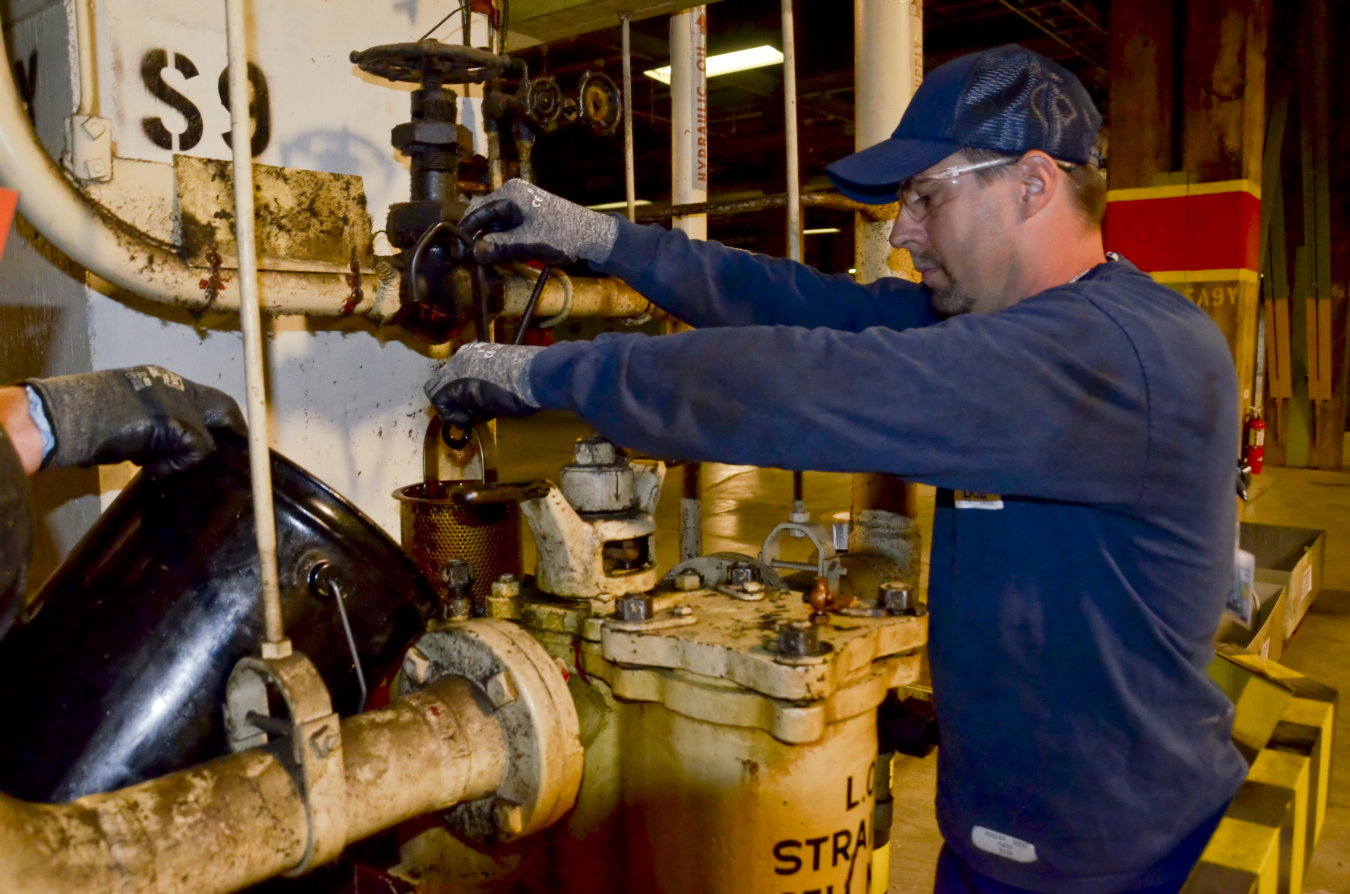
743 503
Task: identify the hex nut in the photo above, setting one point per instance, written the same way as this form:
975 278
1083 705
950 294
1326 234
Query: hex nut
432 133
688 580
896 598
798 639
506 587
752 586
457 573
510 818
682 611
740 573
501 690
595 452
636 607
416 666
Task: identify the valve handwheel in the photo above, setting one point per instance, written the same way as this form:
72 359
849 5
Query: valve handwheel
430 59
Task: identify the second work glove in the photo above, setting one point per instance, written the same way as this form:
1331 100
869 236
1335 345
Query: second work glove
524 223
484 381
150 416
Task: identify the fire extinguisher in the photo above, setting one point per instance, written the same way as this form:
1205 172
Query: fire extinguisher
1254 452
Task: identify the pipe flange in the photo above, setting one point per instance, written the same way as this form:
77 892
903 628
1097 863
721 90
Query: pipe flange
315 733
536 713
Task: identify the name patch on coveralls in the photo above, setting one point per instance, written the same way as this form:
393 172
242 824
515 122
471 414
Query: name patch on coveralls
1003 845
969 499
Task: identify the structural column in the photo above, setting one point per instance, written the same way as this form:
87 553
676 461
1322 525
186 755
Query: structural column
888 68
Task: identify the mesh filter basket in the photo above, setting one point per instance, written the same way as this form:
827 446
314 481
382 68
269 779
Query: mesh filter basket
435 529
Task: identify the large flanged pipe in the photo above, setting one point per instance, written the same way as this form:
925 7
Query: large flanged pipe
536 714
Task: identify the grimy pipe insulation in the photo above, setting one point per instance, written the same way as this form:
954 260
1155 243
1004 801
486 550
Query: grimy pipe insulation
238 820
250 321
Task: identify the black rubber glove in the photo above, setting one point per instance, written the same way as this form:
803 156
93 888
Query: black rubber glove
525 223
482 381
148 415
463 403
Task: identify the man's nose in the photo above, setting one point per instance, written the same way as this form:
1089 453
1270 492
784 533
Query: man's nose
906 232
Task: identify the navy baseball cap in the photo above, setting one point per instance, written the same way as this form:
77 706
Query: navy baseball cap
1007 99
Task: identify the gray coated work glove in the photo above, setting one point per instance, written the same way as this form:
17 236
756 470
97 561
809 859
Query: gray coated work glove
153 417
482 381
525 223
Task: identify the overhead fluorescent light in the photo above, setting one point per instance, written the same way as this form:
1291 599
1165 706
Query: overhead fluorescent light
615 206
726 63
820 232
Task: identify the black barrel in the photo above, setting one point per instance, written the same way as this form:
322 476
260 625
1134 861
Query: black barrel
120 676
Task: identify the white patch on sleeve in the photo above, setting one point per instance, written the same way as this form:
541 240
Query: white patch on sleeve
969 499
1003 845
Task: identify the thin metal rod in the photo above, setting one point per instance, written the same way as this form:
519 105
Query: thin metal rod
250 319
794 204
534 301
84 42
351 644
630 185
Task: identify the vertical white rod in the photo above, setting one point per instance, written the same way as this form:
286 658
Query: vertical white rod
630 187
250 319
689 116
84 42
794 187
888 67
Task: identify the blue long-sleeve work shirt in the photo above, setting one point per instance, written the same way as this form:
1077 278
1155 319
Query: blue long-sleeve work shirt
1071 617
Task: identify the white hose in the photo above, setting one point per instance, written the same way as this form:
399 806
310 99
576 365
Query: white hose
250 320
84 43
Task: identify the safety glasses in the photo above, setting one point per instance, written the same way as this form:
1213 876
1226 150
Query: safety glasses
923 195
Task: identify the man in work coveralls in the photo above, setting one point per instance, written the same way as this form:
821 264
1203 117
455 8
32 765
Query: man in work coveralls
1079 420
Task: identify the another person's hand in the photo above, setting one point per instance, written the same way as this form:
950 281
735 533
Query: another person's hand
481 382
522 222
148 415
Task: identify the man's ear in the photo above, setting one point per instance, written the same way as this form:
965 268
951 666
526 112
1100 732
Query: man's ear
1038 177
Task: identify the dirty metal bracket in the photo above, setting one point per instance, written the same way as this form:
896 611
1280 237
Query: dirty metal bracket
827 560
315 753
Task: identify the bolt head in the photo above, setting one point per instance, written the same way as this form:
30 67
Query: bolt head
688 580
636 607
416 666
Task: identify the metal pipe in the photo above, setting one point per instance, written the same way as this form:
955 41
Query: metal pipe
84 42
630 187
794 204
591 297
238 820
250 321
689 116
691 511
762 203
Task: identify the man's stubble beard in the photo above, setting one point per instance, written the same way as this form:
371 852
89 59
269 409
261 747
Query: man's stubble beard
953 299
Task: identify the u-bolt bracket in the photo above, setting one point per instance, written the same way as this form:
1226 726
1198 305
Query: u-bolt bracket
315 754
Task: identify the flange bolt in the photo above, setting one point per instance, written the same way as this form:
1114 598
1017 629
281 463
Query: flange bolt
636 607
798 639
896 598
741 573
688 580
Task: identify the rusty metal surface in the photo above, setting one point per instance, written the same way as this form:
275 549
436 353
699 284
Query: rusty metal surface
306 220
